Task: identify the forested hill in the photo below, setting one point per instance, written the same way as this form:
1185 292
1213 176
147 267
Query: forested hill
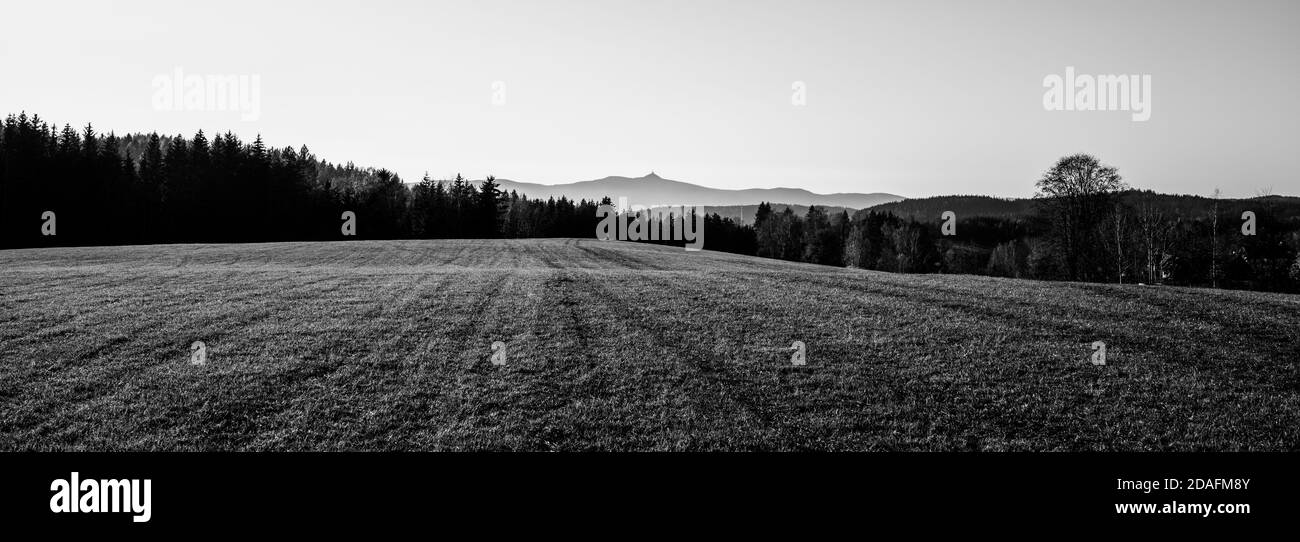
64 186
1013 208
744 214
964 206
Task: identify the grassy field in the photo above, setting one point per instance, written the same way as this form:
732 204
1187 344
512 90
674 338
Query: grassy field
617 346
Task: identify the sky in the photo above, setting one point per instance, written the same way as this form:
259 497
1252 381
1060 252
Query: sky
914 98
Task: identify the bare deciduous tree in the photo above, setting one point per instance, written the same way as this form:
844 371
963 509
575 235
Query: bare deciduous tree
1156 231
1214 242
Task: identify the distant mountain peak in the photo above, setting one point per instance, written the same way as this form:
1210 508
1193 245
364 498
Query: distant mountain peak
652 176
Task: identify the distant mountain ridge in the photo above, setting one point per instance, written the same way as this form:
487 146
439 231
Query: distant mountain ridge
655 190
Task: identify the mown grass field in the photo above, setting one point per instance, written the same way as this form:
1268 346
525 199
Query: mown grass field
617 346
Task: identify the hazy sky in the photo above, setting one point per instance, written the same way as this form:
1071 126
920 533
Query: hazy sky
914 98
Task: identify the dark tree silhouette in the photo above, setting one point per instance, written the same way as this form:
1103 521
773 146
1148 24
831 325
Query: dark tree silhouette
1077 194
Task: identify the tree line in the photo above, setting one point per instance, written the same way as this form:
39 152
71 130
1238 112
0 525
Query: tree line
138 189
1085 224
104 189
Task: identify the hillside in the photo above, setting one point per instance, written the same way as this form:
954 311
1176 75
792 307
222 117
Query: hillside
385 345
965 206
744 214
1175 204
